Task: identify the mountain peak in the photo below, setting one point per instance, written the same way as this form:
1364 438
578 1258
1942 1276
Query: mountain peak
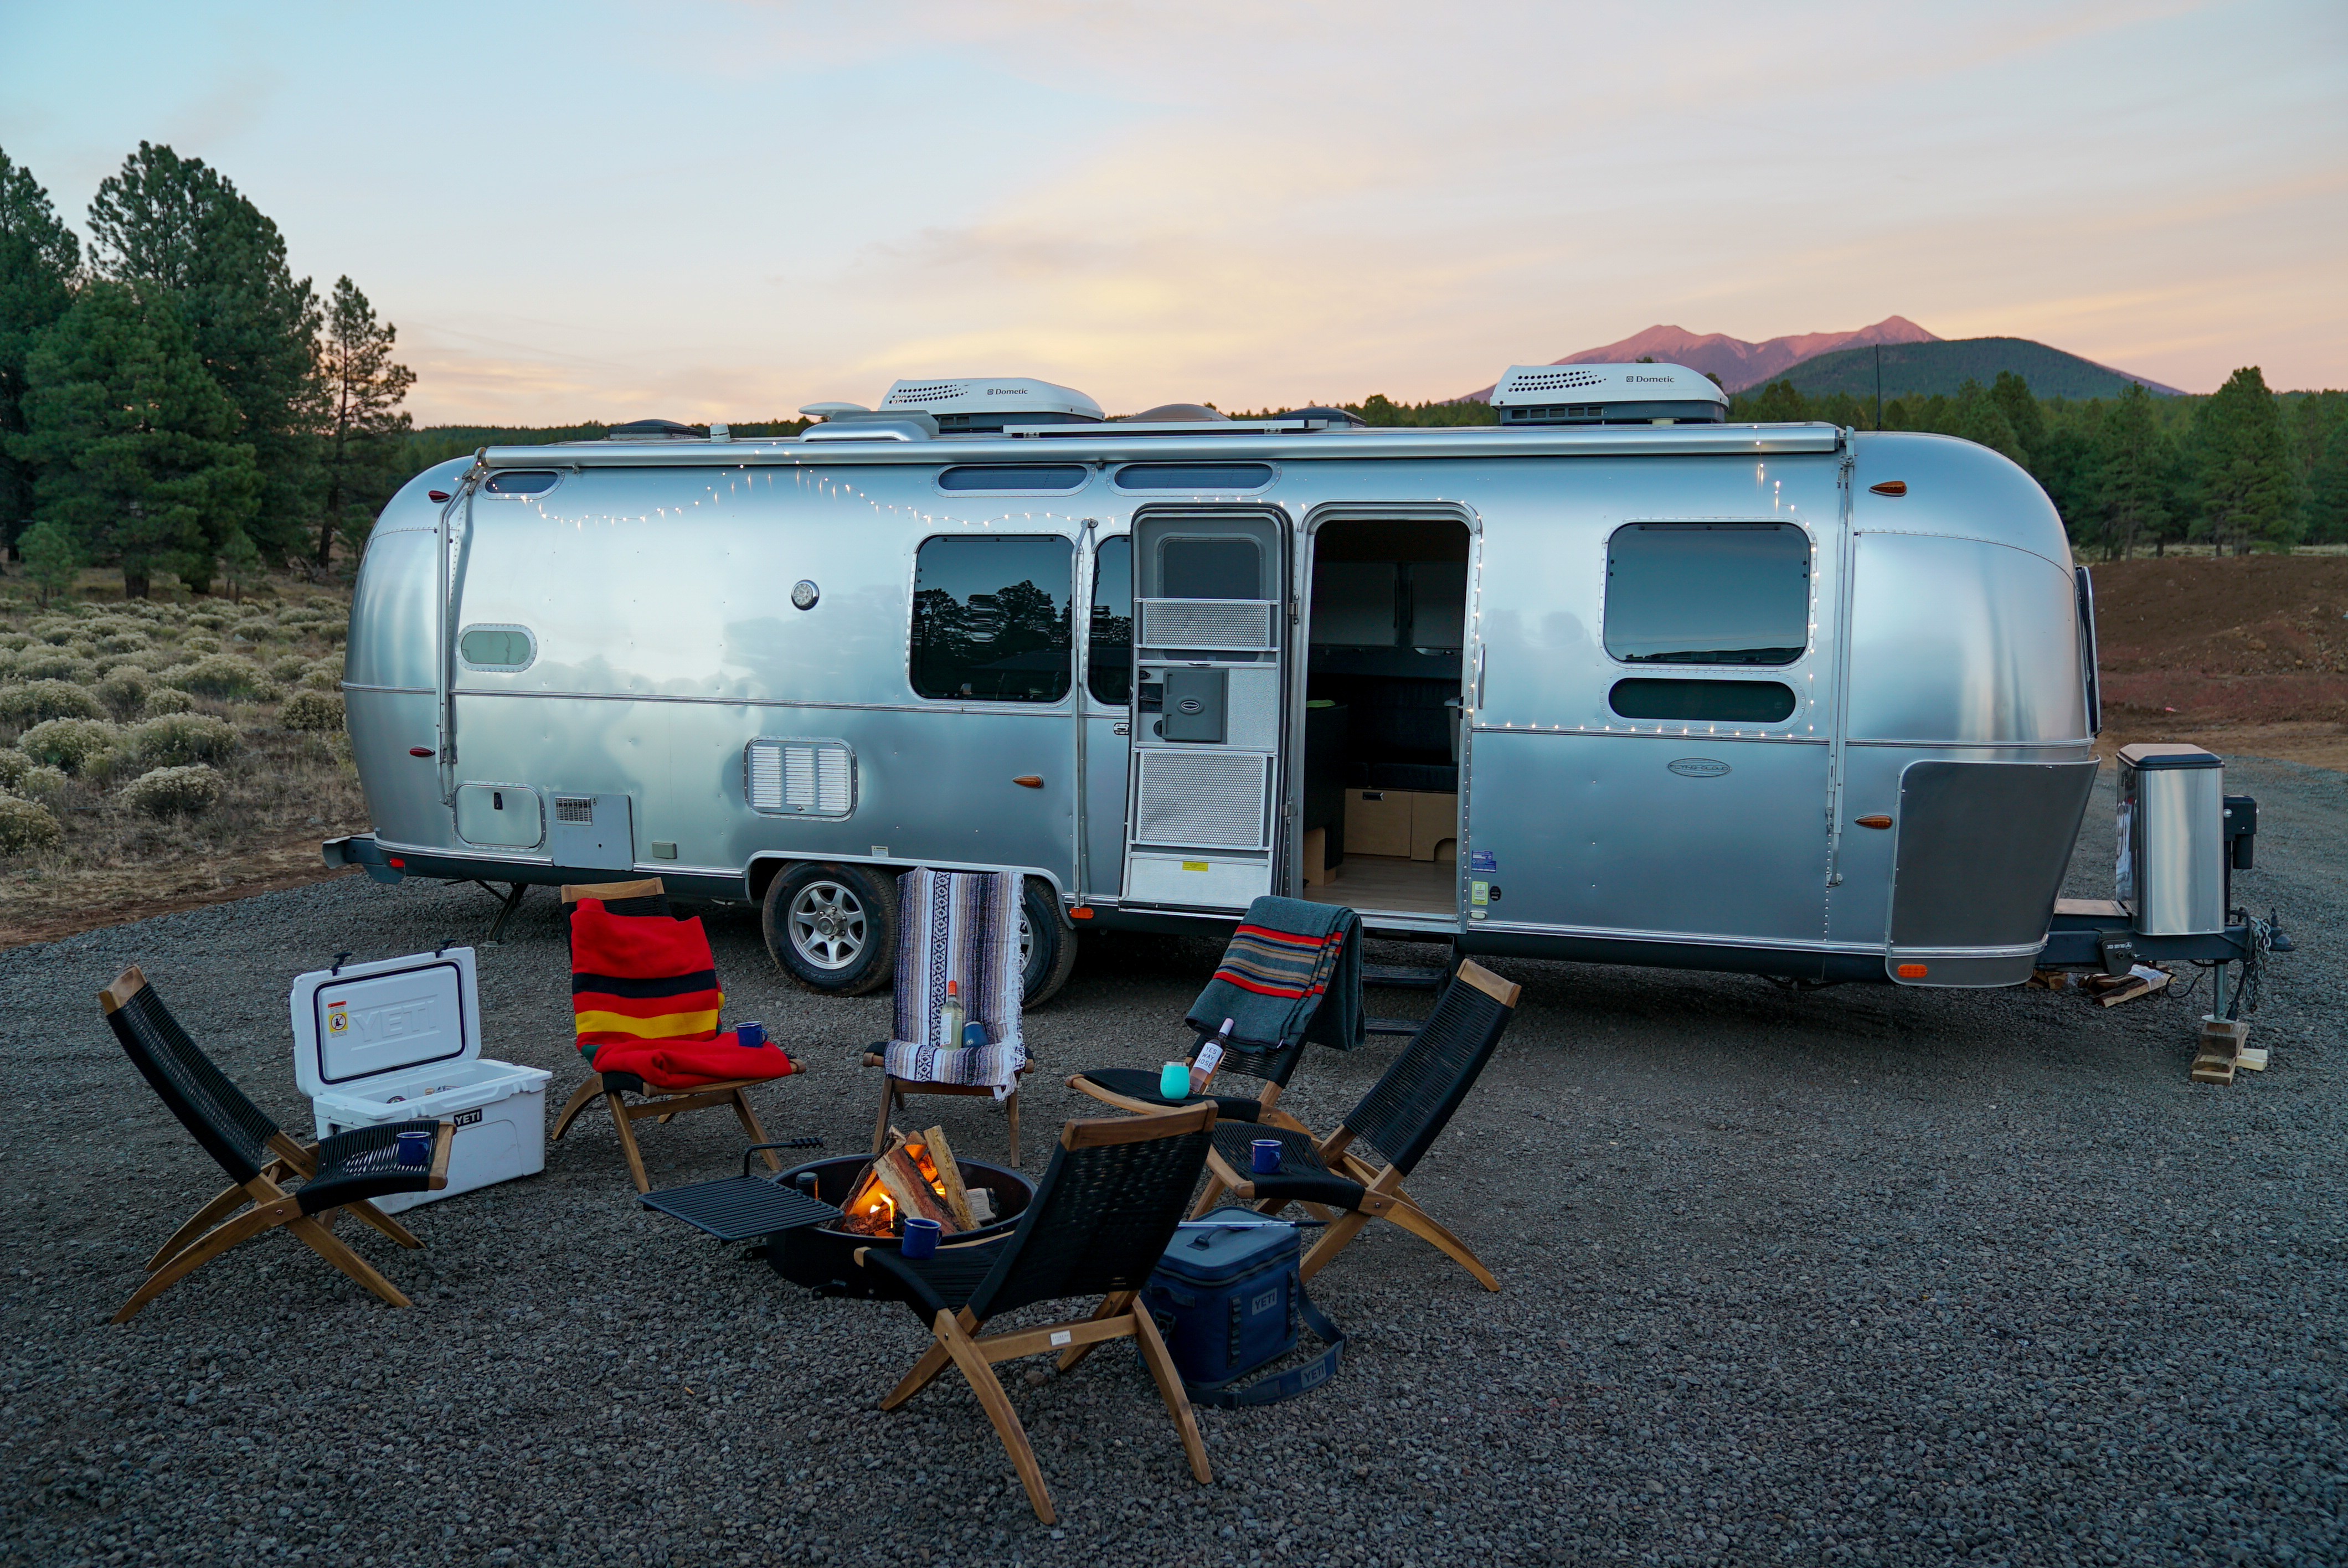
1739 365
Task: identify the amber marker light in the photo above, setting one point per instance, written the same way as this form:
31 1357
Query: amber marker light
1889 487
1911 971
1875 822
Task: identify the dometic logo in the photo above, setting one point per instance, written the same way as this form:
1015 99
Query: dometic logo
1004 391
1697 767
1656 378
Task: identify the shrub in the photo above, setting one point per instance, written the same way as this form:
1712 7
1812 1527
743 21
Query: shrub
52 664
45 785
13 765
13 641
55 631
323 675
25 825
335 633
217 675
124 690
199 644
77 746
210 620
304 614
123 641
315 711
172 792
155 658
30 702
287 667
167 700
173 740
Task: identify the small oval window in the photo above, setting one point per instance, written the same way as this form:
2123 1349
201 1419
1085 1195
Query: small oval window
1194 476
521 481
1022 476
496 648
1704 702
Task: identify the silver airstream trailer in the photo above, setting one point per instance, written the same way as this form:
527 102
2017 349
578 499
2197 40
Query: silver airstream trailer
1611 681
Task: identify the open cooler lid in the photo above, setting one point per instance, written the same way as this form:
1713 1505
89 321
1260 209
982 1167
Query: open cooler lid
366 1019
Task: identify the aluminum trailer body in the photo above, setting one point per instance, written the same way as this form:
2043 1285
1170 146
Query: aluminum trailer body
1789 700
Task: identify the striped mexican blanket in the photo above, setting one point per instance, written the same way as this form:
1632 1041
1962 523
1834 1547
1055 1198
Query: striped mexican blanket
1292 971
960 926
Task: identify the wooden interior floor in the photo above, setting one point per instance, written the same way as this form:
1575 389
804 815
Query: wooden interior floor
1389 882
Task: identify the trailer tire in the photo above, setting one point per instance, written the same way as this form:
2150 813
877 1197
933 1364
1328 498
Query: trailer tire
1050 941
833 928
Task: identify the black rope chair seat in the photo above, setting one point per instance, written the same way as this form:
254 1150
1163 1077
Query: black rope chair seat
1401 1117
364 1164
345 1172
1101 1217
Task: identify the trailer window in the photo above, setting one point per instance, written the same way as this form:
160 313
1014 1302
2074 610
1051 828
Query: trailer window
1022 478
1708 593
1109 644
496 647
1704 702
991 618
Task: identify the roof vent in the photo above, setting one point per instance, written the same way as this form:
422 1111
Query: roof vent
1608 394
986 403
655 430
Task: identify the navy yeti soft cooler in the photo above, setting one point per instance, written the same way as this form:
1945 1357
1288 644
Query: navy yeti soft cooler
1227 1300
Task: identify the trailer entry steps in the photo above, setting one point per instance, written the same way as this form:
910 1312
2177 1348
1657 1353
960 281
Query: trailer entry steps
1404 977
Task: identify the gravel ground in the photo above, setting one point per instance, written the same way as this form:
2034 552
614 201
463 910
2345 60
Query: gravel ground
1852 1276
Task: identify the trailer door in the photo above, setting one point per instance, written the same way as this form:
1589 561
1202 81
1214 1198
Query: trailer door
1211 638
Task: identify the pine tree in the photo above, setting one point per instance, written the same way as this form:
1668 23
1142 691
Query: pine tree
2242 479
1779 403
177 223
364 423
1980 418
39 259
51 559
138 444
2023 416
2134 461
240 565
2327 492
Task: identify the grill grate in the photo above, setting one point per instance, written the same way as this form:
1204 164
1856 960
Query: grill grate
739 1207
574 808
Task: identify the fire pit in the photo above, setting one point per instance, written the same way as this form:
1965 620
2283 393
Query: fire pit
822 1257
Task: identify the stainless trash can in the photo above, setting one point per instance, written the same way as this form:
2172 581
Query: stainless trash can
2171 874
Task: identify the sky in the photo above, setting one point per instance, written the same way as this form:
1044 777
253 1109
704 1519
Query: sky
726 210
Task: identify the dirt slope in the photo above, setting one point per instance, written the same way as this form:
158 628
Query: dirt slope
2248 654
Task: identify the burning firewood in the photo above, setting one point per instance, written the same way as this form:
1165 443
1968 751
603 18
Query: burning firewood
899 1172
946 1172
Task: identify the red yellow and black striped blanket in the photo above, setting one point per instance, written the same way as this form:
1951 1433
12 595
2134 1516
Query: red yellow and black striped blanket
645 997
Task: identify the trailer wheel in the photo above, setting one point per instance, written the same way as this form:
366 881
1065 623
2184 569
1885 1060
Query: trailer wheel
1045 963
833 928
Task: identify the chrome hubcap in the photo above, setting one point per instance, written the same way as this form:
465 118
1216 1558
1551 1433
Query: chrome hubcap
826 925
1026 941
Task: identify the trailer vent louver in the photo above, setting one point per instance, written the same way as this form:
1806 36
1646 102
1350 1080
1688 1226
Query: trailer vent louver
1202 800
1234 625
574 808
793 777
1556 381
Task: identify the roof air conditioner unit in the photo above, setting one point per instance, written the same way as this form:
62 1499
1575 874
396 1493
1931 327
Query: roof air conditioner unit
970 404
1608 394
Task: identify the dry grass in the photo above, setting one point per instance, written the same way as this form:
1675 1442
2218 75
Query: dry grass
284 790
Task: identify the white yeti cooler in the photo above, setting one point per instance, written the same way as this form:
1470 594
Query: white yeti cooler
399 1040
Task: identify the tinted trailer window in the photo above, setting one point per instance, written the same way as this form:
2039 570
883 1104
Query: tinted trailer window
1708 593
991 620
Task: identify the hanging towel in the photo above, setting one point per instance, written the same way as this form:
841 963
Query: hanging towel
1293 972
640 978
960 926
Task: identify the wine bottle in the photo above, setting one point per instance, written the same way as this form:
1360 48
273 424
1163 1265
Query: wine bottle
1209 1057
950 1018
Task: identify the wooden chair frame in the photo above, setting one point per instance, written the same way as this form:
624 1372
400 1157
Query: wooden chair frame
894 1091
1383 1195
1119 1316
212 1231
662 1104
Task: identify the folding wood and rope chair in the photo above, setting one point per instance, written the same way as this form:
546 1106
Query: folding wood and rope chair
682 999
1400 1118
343 1172
1291 974
1101 1217
964 926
